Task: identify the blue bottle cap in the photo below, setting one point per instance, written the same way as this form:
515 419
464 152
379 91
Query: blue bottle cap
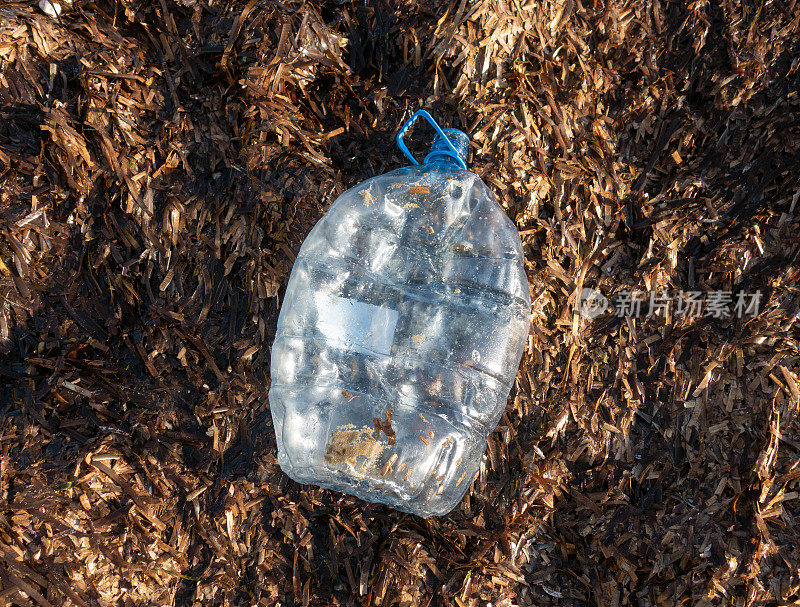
440 148
448 143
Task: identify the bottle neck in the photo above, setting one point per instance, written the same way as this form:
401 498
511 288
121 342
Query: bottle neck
442 160
441 153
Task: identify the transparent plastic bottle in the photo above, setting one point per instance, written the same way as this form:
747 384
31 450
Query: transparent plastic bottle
400 335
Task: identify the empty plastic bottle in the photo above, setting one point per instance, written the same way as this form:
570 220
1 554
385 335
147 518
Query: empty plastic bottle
400 334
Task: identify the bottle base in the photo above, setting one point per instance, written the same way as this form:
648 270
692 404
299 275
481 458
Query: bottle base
362 489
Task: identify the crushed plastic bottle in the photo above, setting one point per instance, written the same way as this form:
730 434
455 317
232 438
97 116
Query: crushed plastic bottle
400 334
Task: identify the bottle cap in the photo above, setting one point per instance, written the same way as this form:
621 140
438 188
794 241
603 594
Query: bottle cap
439 148
448 143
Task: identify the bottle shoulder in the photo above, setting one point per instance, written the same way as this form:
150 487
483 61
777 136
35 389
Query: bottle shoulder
447 217
435 188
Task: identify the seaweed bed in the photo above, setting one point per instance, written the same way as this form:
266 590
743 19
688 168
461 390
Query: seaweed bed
160 164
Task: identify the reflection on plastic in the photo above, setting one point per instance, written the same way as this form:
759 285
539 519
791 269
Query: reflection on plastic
358 325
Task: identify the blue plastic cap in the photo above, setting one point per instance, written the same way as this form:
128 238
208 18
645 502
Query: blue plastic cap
440 149
449 144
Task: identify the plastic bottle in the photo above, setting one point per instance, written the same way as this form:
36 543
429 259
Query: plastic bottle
400 334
